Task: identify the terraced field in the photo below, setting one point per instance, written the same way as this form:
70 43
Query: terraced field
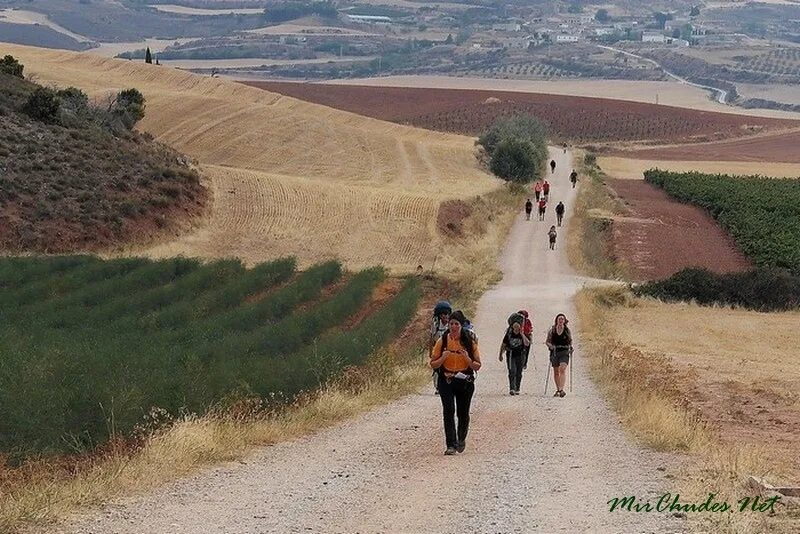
331 181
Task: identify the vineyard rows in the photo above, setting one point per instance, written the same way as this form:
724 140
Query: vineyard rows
90 346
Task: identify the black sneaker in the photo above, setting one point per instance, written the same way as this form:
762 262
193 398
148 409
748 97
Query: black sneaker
461 446
450 451
563 394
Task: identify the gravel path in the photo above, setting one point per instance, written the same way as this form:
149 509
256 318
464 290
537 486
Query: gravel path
532 464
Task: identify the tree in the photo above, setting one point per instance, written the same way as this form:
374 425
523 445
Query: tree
602 15
661 18
128 107
695 11
514 160
575 7
9 65
148 57
449 39
42 105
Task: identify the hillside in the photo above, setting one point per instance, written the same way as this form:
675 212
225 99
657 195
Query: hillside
289 177
74 184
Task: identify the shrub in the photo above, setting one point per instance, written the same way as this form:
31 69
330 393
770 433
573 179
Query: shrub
42 105
11 66
128 107
761 289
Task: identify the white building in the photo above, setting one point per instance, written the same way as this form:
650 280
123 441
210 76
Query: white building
369 19
649 37
603 31
567 38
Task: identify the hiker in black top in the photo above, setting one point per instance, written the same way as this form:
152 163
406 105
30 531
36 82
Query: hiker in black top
513 345
573 177
552 236
559 341
552 166
528 209
559 212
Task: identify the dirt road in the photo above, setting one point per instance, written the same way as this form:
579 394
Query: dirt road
532 464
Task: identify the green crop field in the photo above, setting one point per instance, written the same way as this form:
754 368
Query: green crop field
761 214
89 347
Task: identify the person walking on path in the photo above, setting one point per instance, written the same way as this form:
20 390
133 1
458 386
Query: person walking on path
542 208
439 325
455 357
513 345
537 189
552 235
559 212
552 166
528 209
559 341
573 177
546 190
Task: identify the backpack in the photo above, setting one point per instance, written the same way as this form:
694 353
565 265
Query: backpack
441 307
516 318
466 340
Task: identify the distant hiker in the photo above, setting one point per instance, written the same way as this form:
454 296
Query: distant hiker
527 329
559 341
455 357
573 177
440 324
552 235
559 212
513 345
552 166
565 148
538 189
542 208
528 209
546 190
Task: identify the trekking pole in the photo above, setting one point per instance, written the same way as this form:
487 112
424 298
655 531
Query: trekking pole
546 377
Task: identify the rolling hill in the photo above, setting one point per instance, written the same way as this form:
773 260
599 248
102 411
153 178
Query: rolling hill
289 177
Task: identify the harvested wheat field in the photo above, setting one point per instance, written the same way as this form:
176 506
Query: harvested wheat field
633 169
302 179
576 118
744 388
661 236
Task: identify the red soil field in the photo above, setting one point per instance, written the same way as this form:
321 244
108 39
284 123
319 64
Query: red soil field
579 119
661 236
778 148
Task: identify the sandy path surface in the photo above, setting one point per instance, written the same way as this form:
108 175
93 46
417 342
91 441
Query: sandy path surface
532 464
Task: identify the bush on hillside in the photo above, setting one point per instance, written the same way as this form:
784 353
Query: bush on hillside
517 147
128 107
9 65
763 290
42 105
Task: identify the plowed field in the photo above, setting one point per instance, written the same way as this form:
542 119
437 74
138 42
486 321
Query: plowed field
782 147
288 177
578 118
662 236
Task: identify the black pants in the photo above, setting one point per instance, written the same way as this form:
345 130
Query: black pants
515 362
559 216
537 195
456 397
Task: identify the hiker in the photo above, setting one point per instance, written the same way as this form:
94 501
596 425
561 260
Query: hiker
440 324
528 209
573 177
559 212
552 166
546 190
455 357
552 235
559 341
527 329
565 148
542 208
513 345
537 188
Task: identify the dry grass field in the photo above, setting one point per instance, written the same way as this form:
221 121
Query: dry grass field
290 177
632 169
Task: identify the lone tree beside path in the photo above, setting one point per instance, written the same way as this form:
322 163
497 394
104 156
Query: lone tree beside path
517 148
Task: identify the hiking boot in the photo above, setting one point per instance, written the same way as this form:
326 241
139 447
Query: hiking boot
461 446
450 451
563 394
511 392
557 394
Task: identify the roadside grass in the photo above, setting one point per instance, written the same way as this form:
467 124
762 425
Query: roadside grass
589 238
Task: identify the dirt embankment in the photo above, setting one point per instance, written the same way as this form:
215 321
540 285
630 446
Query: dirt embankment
661 236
